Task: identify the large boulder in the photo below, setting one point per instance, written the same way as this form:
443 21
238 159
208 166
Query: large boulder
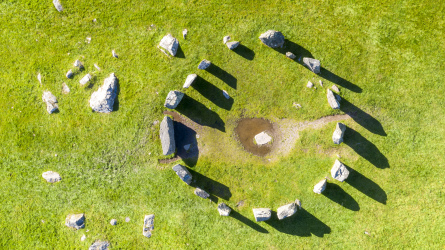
272 38
103 99
312 64
333 102
167 135
262 214
51 177
75 221
223 209
57 5
170 44
287 210
320 187
149 222
232 45
183 173
173 99
204 64
99 245
51 102
337 137
189 80
339 171
201 193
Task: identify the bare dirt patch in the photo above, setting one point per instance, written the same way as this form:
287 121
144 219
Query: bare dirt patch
246 130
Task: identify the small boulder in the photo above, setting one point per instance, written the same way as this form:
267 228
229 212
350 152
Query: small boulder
333 102
291 55
232 45
83 237
57 5
183 173
272 38
320 187
113 222
286 210
223 209
298 203
337 137
262 138
189 80
102 100
97 67
170 44
39 78
167 135
226 39
173 99
225 94
309 84
75 221
78 64
85 79
69 74
113 53
149 221
262 214
184 33
335 88
127 219
51 102
99 245
339 171
201 193
321 83
65 89
312 64
51 177
204 64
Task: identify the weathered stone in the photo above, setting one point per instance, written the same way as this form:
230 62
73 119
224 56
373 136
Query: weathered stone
69 74
226 95
204 64
337 137
320 187
272 38
51 177
339 171
58 5
309 84
51 102
113 53
75 221
170 44
232 45
85 79
149 221
78 64
338 98
335 88
333 102
183 173
262 214
189 80
201 193
184 33
286 210
102 100
223 209
312 64
291 55
167 135
113 222
99 245
65 89
262 138
226 39
173 99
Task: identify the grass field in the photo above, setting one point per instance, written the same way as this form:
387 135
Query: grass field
387 58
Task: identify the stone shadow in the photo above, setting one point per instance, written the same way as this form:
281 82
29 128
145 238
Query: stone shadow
213 93
244 52
302 223
179 52
366 186
365 148
211 186
336 194
116 100
199 113
222 75
186 136
234 214
361 117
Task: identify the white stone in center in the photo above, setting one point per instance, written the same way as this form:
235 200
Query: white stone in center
262 138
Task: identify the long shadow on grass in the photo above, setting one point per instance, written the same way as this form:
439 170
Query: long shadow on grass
366 186
365 148
362 118
184 136
213 93
223 75
245 220
244 52
116 100
211 186
302 223
200 114
336 194
179 52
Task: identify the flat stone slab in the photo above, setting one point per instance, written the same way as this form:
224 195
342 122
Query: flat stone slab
149 221
262 214
312 64
69 74
286 210
337 136
223 209
232 45
51 177
170 44
167 136
78 64
204 64
189 80
102 100
201 193
75 221
85 79
183 173
99 245
272 38
332 100
320 187
173 99
51 102
262 138
339 171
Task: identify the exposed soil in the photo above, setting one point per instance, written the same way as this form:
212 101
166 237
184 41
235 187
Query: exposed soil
246 130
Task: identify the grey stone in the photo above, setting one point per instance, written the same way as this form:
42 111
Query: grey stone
223 209
338 98
321 83
262 138
298 203
201 193
183 173
51 102
335 88
333 102
167 135
51 177
97 67
339 132
189 80
83 237
99 245
102 100
262 214
149 221
309 84
286 210
69 74
226 39
65 88
204 64
226 95
85 79
291 55
170 44
320 187
272 38
75 221
339 171
39 78
232 45
113 53
127 219
58 5
184 33
173 99
312 64
113 222
78 64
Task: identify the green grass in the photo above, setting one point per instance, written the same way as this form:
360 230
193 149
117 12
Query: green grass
392 50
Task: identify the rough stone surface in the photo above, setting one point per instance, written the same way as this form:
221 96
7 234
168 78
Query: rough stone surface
58 5
75 221
99 245
262 214
223 209
201 193
113 222
189 80
339 171
226 39
167 135
320 187
337 137
226 95
204 64
51 102
272 38
170 44
102 100
312 64
51 177
335 88
291 55
78 64
309 84
286 210
232 45
184 33
69 74
149 221
85 79
262 138
333 102
173 99
183 173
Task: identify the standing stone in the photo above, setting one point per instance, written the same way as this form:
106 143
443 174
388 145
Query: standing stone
167 135
189 80
262 214
232 45
170 44
78 64
204 64
201 193
75 221
335 88
183 173
312 64
184 33
262 138
69 74
291 55
339 171
51 102
320 187
99 245
337 137
309 84
85 79
149 221
173 99
102 100
58 5
223 209
333 102
65 89
51 177
226 39
113 222
286 210
272 38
